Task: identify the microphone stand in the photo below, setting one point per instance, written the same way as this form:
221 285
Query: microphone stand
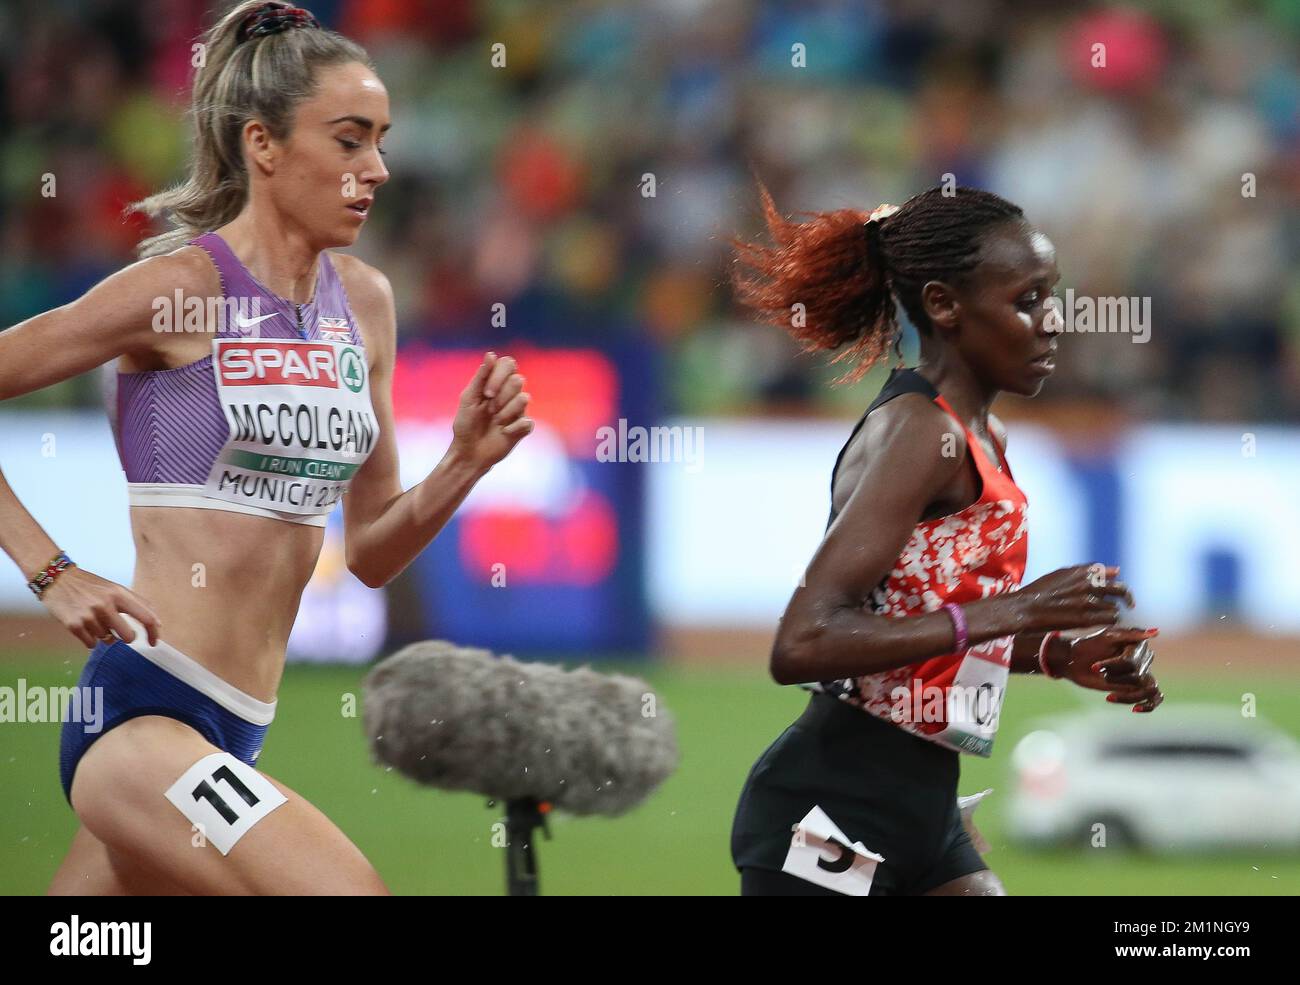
523 817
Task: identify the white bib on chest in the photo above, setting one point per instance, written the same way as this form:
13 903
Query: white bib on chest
300 418
974 702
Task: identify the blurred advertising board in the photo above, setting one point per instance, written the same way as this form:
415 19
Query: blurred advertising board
559 550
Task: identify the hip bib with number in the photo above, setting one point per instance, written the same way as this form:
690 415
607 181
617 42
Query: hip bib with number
300 418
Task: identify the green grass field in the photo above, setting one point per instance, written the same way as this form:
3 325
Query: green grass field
427 842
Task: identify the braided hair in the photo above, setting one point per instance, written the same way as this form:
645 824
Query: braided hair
847 272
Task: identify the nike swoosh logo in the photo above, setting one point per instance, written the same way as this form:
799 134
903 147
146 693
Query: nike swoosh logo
243 322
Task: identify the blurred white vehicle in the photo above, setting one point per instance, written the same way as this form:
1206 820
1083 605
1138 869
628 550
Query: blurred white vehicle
1178 779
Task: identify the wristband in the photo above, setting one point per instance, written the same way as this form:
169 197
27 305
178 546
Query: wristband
44 578
959 625
1042 652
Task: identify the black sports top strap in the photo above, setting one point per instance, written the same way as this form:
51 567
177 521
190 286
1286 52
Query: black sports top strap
901 380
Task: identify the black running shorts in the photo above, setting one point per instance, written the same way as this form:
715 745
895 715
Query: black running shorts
892 791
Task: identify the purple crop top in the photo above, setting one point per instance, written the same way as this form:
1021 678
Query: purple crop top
275 421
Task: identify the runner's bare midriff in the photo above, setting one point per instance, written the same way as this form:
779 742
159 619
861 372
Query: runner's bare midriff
234 613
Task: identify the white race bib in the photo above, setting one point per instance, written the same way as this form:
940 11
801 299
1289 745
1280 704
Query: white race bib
300 418
223 798
822 854
974 700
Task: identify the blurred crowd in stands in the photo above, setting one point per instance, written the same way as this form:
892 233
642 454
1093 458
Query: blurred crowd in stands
592 181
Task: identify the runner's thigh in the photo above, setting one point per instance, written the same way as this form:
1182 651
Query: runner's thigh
119 794
89 869
981 883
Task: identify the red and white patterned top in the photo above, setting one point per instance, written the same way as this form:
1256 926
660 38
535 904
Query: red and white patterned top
979 551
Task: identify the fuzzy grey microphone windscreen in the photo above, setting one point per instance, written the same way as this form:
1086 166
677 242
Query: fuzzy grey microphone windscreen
459 718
